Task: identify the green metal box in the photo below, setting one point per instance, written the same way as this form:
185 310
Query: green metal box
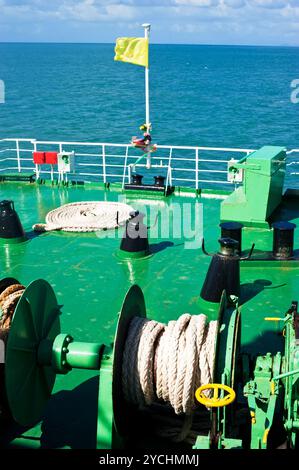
254 202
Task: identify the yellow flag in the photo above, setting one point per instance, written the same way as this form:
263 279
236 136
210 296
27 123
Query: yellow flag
133 50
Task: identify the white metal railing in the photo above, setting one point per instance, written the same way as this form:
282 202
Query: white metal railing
108 162
192 166
294 162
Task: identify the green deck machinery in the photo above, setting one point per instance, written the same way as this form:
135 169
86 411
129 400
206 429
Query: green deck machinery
253 203
272 392
266 387
36 351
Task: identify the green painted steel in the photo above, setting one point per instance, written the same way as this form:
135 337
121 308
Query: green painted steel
45 355
67 354
255 201
84 355
290 381
226 355
286 374
28 385
133 306
265 394
12 241
263 400
115 419
59 350
105 417
134 255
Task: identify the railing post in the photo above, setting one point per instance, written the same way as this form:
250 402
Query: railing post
167 179
125 167
170 176
60 174
196 169
104 163
36 165
18 155
129 174
169 170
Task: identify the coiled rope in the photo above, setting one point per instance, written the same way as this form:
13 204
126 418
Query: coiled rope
168 362
89 216
8 301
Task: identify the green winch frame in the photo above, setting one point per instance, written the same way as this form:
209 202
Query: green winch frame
36 351
271 390
227 350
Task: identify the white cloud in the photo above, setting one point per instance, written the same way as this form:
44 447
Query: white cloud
83 11
121 11
276 4
265 21
235 3
198 3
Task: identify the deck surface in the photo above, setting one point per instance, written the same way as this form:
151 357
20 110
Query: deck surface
90 281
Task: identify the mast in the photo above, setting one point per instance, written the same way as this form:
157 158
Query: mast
147 28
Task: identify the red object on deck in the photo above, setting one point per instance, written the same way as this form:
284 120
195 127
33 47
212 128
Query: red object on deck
51 158
39 158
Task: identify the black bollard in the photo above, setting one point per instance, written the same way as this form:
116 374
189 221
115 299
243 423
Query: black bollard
134 243
10 226
283 240
159 181
137 179
223 273
232 230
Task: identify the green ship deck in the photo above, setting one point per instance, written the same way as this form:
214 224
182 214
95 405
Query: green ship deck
90 281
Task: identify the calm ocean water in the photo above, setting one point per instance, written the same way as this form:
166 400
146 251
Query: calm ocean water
200 95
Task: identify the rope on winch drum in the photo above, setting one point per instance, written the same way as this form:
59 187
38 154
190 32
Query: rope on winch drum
8 301
168 362
88 216
161 363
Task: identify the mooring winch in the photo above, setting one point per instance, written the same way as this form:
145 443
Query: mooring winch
36 351
153 370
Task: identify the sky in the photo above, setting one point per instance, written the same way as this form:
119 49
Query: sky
248 22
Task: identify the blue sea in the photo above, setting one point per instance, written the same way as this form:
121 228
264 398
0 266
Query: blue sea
199 95
225 96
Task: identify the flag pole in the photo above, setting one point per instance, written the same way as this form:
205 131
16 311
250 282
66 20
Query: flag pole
147 28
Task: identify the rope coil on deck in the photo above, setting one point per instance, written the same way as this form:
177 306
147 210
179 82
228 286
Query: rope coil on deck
168 362
89 216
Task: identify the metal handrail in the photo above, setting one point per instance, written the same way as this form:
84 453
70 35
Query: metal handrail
176 161
294 162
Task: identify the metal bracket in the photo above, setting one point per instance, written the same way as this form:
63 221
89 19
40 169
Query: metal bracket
262 398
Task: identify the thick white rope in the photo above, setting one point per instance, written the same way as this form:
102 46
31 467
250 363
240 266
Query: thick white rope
89 216
168 362
8 302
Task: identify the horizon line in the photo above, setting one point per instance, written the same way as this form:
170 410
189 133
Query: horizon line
152 43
